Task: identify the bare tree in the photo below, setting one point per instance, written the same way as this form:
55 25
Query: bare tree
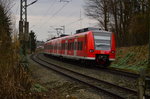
98 9
117 15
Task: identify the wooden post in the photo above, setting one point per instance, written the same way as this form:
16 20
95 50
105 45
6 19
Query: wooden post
141 85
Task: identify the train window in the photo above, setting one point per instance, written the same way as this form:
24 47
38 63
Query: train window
72 45
76 45
80 45
58 46
44 47
74 48
68 46
64 46
102 40
55 46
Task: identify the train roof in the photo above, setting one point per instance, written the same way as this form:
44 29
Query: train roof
80 31
88 29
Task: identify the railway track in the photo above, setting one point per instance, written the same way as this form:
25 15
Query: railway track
99 85
114 71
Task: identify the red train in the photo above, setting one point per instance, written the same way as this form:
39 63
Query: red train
91 45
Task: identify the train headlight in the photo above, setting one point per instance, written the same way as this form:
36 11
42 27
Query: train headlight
112 52
91 50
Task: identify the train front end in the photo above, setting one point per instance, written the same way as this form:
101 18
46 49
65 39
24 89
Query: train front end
103 48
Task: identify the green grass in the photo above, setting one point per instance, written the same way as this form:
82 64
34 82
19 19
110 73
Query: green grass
38 88
131 58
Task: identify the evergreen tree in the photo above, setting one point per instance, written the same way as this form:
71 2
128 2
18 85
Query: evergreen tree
32 41
5 30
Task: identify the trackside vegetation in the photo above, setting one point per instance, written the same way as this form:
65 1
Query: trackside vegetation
132 58
130 21
15 80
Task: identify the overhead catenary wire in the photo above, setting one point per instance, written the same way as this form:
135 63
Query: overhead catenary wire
46 12
70 15
53 15
57 12
73 22
50 18
67 1
80 19
53 18
51 5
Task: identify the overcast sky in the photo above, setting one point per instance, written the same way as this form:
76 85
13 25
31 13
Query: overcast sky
45 15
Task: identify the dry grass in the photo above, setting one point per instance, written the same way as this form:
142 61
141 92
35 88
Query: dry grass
15 81
132 58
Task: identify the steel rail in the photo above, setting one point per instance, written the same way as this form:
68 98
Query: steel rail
79 80
38 60
123 73
117 72
92 78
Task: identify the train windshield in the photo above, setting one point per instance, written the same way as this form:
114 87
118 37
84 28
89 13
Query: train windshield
102 40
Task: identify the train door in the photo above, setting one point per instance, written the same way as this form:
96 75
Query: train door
57 48
75 47
66 47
